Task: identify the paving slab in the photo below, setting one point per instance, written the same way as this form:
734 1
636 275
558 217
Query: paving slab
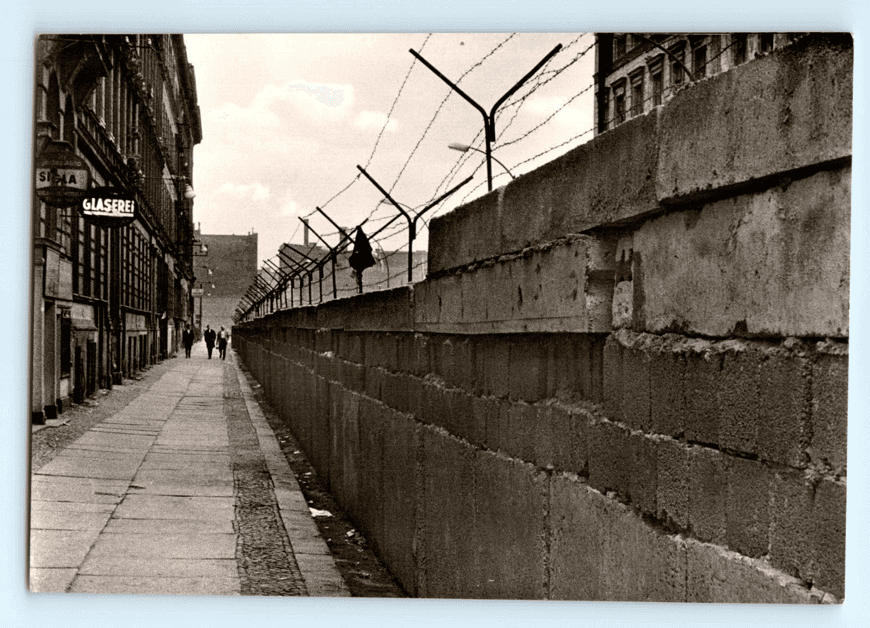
169 526
65 520
193 545
171 507
161 567
45 580
60 548
139 585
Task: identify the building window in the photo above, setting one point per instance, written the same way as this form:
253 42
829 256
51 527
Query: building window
677 61
738 48
699 61
605 110
619 104
637 93
765 42
619 45
657 79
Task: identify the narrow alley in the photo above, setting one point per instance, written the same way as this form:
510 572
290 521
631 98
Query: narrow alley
185 491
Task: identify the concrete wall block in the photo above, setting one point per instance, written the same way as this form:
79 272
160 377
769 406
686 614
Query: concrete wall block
510 502
415 397
577 540
348 491
703 269
719 576
740 400
702 383
704 138
667 392
612 383
672 483
808 529
495 375
427 307
596 353
400 469
527 369
748 509
324 340
562 439
394 391
353 376
708 494
351 347
450 547
420 355
450 299
829 540
829 411
370 505
520 438
462 418
485 413
374 381
610 458
636 390
469 233
785 380
642 564
643 473
601 550
321 437
603 181
476 294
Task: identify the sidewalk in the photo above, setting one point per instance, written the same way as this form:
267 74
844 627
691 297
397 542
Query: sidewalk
184 491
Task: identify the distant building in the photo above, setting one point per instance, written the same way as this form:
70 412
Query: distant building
111 293
224 265
390 269
295 261
636 72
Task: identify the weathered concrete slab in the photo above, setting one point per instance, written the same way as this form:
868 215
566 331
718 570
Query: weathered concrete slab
168 507
169 526
47 580
187 546
60 548
165 567
140 585
68 520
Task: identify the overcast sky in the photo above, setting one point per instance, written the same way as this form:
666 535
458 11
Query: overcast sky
287 118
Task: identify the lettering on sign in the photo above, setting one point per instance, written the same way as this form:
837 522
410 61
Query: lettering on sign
107 206
62 177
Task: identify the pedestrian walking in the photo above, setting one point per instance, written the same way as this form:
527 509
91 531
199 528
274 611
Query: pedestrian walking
187 339
209 336
222 343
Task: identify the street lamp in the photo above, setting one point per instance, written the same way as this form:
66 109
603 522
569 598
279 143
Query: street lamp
464 148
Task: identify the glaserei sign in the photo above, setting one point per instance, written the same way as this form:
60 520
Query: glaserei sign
108 206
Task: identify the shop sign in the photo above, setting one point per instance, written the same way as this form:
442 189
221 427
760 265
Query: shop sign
109 207
62 177
196 292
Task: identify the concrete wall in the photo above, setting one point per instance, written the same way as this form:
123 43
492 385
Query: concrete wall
625 377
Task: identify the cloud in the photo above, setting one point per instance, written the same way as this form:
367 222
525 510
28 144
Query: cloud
255 191
289 207
375 121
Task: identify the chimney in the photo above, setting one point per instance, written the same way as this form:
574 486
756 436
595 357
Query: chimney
305 222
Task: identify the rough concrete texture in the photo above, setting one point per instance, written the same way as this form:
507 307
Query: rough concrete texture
771 263
784 112
545 289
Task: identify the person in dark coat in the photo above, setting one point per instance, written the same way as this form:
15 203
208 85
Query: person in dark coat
209 336
187 339
222 343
